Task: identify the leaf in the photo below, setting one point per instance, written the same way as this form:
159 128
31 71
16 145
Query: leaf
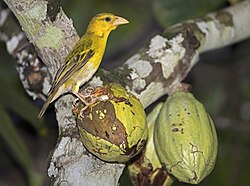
18 148
15 100
169 12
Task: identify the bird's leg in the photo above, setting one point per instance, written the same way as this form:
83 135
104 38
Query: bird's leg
86 97
75 102
90 96
82 97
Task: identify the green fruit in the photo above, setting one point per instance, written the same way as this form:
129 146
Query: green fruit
114 129
147 169
185 138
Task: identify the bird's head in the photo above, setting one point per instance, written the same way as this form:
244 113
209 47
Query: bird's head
105 23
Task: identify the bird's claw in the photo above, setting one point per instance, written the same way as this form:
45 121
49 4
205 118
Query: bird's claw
75 102
90 96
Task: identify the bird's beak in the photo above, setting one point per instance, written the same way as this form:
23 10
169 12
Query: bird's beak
120 21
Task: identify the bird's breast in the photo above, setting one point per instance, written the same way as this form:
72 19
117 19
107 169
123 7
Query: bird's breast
86 72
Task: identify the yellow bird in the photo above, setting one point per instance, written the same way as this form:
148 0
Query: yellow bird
84 59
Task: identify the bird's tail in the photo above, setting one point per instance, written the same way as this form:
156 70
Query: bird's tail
46 104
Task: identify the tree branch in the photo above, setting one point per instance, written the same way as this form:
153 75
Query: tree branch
167 60
152 72
32 71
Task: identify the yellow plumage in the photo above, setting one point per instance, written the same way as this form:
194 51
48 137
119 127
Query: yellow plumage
84 59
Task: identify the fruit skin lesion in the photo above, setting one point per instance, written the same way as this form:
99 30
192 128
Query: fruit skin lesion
113 129
177 127
182 165
100 125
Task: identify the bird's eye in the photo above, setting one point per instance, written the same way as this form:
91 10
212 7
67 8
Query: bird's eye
107 19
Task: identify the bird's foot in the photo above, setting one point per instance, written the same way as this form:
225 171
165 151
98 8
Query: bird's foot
90 96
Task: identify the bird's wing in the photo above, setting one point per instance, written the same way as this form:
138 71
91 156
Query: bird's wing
82 53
